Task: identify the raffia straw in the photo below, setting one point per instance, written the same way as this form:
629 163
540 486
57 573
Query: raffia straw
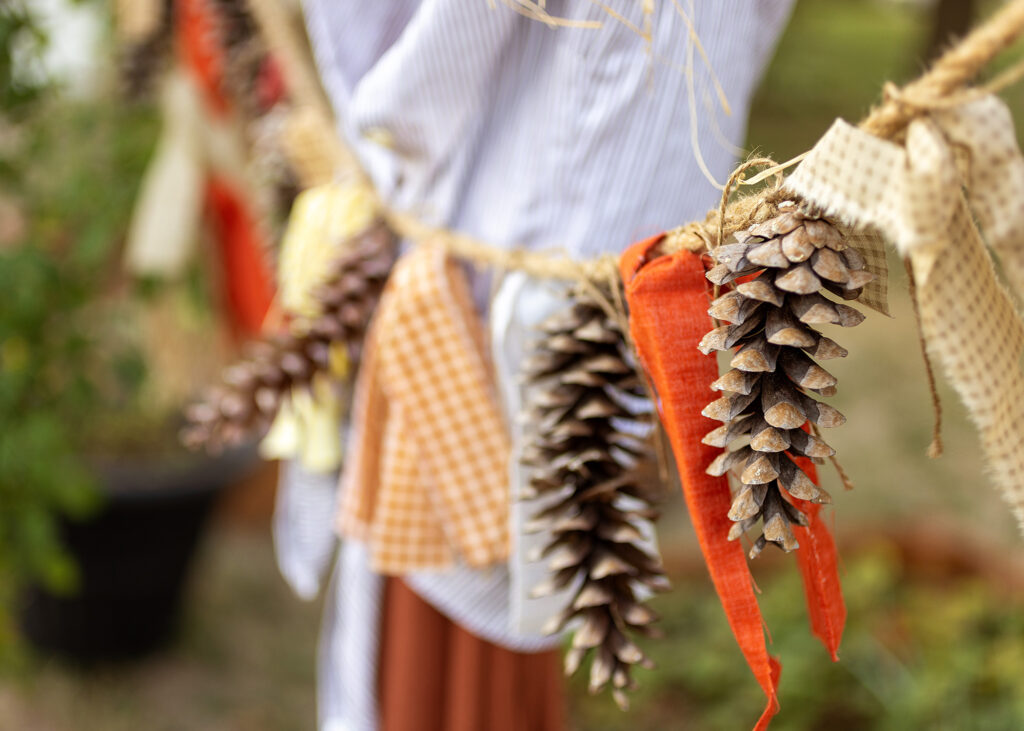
731 215
950 74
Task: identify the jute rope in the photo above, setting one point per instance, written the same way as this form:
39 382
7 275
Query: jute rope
956 68
943 85
947 79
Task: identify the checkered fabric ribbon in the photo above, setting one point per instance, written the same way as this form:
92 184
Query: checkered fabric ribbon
957 170
426 481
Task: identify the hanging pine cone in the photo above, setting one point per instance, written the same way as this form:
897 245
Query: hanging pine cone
141 62
247 400
244 51
235 23
586 405
788 264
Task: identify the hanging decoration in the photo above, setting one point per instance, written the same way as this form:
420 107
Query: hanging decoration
144 39
929 169
588 458
668 297
425 487
778 274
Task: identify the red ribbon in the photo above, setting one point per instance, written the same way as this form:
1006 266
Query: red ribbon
248 285
668 300
199 50
819 566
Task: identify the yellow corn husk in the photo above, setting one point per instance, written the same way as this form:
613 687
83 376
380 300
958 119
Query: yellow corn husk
322 220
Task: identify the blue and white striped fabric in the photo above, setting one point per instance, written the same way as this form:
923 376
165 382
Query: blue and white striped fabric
525 135
303 526
479 119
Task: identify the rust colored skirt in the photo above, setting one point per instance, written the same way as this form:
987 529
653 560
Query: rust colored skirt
436 676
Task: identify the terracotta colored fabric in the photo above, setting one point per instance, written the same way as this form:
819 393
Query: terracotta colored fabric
668 301
247 282
819 566
436 676
426 479
199 50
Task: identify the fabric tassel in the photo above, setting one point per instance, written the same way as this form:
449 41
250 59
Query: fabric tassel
167 213
668 300
247 281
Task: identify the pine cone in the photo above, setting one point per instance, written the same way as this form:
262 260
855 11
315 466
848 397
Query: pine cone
235 23
788 264
141 63
252 390
586 405
244 51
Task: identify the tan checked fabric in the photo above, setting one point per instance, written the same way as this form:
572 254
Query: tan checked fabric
426 482
914 194
871 244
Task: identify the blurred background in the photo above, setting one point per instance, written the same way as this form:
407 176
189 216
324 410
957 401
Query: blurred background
97 360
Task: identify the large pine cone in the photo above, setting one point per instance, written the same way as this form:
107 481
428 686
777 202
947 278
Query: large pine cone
589 459
778 277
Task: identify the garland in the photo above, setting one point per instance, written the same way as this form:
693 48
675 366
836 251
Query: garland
791 252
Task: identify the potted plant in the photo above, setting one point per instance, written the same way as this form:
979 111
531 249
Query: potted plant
100 509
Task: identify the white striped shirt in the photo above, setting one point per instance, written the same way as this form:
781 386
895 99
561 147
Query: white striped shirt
525 135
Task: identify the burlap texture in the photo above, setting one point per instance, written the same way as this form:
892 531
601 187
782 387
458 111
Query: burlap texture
914 193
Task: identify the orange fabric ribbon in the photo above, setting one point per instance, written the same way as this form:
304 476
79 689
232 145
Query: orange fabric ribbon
199 50
819 567
668 299
248 284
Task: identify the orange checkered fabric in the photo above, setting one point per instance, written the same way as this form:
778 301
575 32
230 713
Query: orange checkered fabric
426 478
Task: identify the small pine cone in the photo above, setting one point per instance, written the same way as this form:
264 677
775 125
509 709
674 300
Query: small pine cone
141 62
589 457
243 49
778 276
235 22
253 389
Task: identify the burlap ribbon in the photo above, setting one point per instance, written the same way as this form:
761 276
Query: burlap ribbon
957 176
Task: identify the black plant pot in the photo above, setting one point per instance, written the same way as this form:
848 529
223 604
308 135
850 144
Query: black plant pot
133 558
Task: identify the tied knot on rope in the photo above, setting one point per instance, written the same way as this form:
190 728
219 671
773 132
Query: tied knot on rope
732 215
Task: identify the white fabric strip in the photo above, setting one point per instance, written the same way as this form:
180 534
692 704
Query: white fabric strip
519 306
350 644
478 601
303 527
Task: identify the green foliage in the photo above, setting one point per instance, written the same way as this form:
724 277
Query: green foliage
915 655
21 41
70 170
